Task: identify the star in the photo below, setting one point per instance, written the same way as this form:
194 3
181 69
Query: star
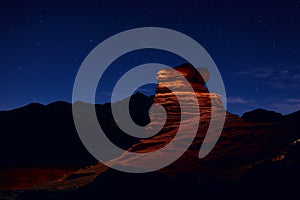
259 21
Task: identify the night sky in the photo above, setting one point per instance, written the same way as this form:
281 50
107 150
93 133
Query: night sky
255 44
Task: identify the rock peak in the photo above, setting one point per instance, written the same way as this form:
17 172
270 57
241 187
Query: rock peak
168 77
192 74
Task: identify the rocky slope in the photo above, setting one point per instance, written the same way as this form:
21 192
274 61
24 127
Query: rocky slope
39 143
250 158
240 143
233 169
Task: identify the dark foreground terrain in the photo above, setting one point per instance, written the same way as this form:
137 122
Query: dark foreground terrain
42 157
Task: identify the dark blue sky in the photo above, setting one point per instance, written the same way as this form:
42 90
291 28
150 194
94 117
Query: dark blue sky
255 45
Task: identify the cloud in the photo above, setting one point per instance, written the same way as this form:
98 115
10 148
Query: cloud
286 105
281 71
285 108
293 100
236 100
277 77
295 77
261 72
277 85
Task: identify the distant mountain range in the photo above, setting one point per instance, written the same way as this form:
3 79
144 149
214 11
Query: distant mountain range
257 154
39 135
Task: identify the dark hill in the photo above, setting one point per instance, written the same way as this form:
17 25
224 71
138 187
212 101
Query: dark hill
249 160
261 115
39 135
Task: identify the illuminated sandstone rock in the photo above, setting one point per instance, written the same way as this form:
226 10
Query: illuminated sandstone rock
206 103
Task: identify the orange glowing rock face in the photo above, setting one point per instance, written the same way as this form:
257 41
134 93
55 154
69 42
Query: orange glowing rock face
168 77
164 96
240 141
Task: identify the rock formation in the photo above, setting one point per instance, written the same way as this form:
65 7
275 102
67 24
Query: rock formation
240 142
207 103
248 159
